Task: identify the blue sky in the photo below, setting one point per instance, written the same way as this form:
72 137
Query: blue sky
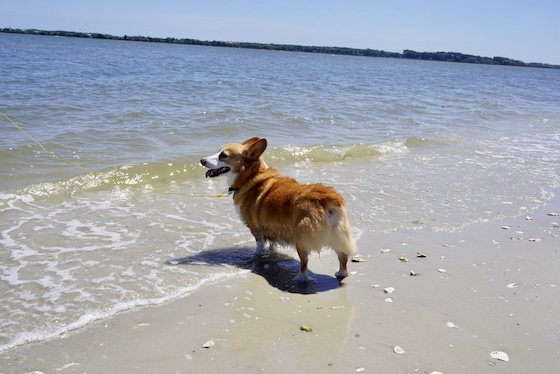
522 30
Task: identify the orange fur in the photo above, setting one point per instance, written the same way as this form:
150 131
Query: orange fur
278 209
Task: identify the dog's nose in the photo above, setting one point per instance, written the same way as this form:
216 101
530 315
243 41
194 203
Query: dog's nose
203 162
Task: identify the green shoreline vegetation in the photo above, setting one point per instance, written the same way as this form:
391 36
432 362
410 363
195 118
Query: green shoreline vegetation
407 54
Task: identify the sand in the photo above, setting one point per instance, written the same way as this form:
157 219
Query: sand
492 287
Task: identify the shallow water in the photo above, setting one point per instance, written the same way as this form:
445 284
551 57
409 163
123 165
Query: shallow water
411 145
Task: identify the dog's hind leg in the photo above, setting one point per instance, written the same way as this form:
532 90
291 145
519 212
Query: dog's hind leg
343 270
303 258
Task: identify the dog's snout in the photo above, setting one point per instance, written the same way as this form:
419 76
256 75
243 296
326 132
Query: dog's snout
203 162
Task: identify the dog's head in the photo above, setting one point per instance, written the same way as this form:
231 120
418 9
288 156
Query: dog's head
234 157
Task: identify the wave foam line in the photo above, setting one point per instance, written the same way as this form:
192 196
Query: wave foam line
93 316
161 177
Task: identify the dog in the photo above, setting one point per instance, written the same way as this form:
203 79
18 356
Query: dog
279 210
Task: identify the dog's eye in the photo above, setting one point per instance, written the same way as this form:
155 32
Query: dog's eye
222 155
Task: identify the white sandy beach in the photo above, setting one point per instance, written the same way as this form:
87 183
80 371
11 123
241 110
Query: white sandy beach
492 287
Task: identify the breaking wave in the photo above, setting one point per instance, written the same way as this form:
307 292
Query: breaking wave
167 177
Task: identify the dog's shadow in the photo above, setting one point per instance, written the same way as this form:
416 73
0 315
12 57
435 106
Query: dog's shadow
278 269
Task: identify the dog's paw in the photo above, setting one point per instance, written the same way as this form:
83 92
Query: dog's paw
341 274
265 253
302 277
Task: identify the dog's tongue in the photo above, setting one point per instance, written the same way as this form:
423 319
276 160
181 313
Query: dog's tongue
215 172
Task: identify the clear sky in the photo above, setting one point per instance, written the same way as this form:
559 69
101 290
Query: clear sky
519 29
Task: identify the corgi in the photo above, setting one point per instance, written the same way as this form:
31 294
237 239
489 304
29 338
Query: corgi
279 210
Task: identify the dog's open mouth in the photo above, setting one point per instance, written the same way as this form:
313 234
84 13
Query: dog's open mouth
215 172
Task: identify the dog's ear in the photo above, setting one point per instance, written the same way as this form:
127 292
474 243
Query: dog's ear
256 149
250 141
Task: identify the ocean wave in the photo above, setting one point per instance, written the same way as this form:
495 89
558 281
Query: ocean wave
167 177
90 316
347 152
69 263
146 176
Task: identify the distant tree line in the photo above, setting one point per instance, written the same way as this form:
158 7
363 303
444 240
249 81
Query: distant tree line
407 54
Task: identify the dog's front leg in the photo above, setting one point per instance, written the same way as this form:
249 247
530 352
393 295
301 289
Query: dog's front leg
261 249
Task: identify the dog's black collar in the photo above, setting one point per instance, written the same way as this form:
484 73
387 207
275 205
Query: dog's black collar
232 191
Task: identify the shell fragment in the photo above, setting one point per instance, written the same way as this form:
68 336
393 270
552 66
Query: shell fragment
451 325
398 350
306 328
499 355
208 344
358 258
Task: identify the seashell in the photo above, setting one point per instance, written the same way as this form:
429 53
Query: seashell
512 285
389 300
358 258
552 214
506 227
499 355
535 239
442 270
359 370
414 274
451 325
403 259
389 290
385 250
529 218
374 285
208 344
306 328
420 255
398 350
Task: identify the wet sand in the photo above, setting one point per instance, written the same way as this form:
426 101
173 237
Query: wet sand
492 287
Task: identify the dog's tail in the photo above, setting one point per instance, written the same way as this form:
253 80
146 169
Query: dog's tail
341 240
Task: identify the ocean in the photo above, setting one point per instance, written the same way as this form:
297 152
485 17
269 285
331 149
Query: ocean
104 206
